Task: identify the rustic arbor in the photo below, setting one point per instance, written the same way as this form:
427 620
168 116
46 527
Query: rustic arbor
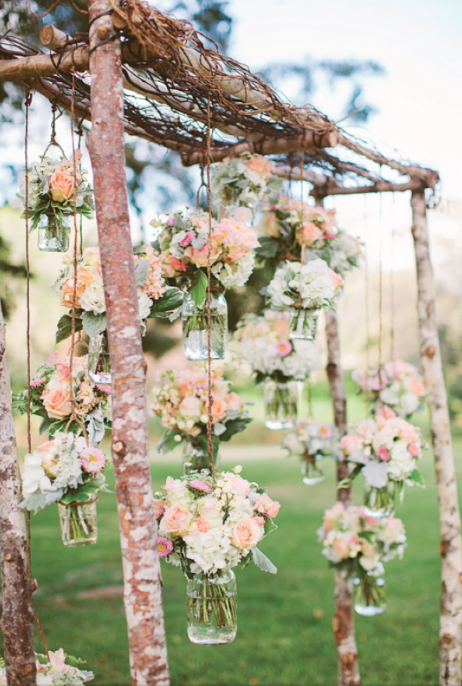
163 84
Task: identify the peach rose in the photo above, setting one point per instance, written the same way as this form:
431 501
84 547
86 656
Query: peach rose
218 410
68 293
261 166
341 548
61 186
265 505
336 280
308 234
234 402
176 520
349 444
57 403
417 387
246 533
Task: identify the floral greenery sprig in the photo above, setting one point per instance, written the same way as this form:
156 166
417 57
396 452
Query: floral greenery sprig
155 298
398 386
263 341
53 187
308 286
312 439
50 392
207 525
182 404
357 544
65 469
244 180
385 449
182 243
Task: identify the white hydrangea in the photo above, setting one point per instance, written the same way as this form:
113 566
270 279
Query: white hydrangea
92 299
144 305
237 274
309 285
402 464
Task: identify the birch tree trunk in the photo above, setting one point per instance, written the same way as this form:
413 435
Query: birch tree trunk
138 526
17 621
450 545
343 622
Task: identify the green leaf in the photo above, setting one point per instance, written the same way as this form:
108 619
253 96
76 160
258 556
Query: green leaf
141 271
198 291
235 426
64 329
94 324
268 247
171 300
83 493
263 562
417 478
167 441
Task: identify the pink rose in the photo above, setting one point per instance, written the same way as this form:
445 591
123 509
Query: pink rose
341 548
57 403
176 520
234 402
349 444
246 533
237 485
61 186
188 239
336 280
261 166
417 387
265 505
308 234
218 410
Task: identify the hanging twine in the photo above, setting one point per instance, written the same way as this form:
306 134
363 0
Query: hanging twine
366 289
380 361
209 295
392 280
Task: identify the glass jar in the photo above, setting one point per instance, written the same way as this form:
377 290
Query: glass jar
99 363
369 593
379 502
312 473
196 459
78 522
53 233
195 335
303 323
212 608
281 399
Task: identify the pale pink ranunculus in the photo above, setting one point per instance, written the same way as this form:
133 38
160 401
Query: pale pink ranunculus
234 402
57 403
283 348
188 239
246 533
62 185
349 444
267 506
218 410
176 520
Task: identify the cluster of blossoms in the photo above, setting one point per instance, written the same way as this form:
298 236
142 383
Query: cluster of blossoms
182 404
308 286
263 341
51 399
64 465
183 246
89 292
244 180
354 542
385 449
55 669
398 385
345 252
207 525
312 439
294 221
52 187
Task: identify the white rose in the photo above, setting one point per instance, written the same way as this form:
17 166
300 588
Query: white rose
92 299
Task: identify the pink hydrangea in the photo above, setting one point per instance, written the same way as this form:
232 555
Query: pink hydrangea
92 460
164 546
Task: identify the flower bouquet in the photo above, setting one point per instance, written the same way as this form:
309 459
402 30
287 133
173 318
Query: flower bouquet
263 342
69 471
244 180
357 545
311 442
182 242
305 289
386 451
182 404
54 194
155 299
207 527
57 668
398 385
50 393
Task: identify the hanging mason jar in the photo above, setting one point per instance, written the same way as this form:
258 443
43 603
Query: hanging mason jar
195 335
303 323
99 364
196 459
53 233
369 593
78 522
379 502
281 399
212 608
312 473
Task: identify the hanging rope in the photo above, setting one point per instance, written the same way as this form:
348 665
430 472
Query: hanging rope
380 292
209 295
366 288
392 279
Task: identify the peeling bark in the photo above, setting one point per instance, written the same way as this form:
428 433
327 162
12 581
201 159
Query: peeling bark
18 614
137 523
450 545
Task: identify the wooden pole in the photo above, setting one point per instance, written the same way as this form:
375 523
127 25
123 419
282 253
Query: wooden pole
17 614
138 527
450 526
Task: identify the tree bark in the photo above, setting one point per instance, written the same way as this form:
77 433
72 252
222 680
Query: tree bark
18 614
138 527
450 545
343 622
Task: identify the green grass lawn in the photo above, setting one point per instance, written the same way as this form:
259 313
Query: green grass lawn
284 629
